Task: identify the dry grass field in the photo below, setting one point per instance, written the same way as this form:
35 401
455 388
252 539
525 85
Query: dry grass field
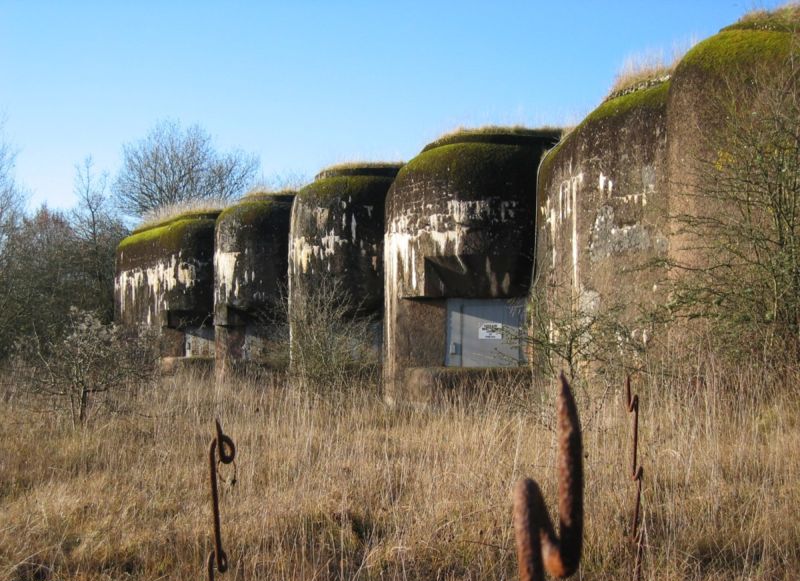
339 486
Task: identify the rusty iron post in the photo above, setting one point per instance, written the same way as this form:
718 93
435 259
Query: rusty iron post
539 550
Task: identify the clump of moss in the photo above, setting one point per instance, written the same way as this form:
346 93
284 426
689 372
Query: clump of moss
497 135
375 169
169 236
256 205
650 97
263 193
734 47
361 188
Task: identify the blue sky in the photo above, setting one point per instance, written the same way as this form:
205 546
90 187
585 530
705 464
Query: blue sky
305 84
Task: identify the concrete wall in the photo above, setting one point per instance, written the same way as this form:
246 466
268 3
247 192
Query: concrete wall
337 237
603 205
164 278
459 223
250 282
610 191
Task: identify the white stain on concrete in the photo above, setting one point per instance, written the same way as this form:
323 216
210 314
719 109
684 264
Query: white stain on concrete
155 282
411 231
226 286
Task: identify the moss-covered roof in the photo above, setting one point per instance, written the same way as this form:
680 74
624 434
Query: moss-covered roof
650 96
374 169
359 188
785 18
734 47
190 215
498 136
475 167
761 36
257 205
472 159
169 233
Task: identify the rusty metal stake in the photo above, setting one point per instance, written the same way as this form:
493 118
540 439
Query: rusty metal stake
223 447
538 547
637 472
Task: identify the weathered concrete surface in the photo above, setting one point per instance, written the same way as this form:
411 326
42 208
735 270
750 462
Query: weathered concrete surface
337 236
610 191
164 278
712 70
250 280
459 223
603 203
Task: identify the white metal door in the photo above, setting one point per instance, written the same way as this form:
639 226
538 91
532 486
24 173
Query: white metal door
483 333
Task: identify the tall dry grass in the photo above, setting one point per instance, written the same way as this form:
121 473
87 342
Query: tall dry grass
342 487
648 66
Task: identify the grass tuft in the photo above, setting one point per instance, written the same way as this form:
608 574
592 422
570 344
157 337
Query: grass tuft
642 71
495 134
169 213
784 18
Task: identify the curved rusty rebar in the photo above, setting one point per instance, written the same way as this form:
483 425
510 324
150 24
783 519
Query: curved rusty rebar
539 550
637 472
218 558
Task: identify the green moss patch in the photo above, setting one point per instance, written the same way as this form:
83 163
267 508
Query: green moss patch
475 167
498 136
785 19
255 207
374 169
190 215
360 188
549 156
653 97
735 47
169 236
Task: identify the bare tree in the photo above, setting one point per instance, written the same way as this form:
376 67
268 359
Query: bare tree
97 232
40 270
11 207
11 198
171 166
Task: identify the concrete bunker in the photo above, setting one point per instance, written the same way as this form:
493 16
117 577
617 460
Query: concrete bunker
603 203
164 279
459 257
336 241
610 191
250 279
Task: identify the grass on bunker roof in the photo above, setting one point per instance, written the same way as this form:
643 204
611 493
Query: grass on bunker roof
784 18
172 212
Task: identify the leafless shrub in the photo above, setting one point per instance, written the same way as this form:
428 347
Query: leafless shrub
577 333
91 360
737 268
328 341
